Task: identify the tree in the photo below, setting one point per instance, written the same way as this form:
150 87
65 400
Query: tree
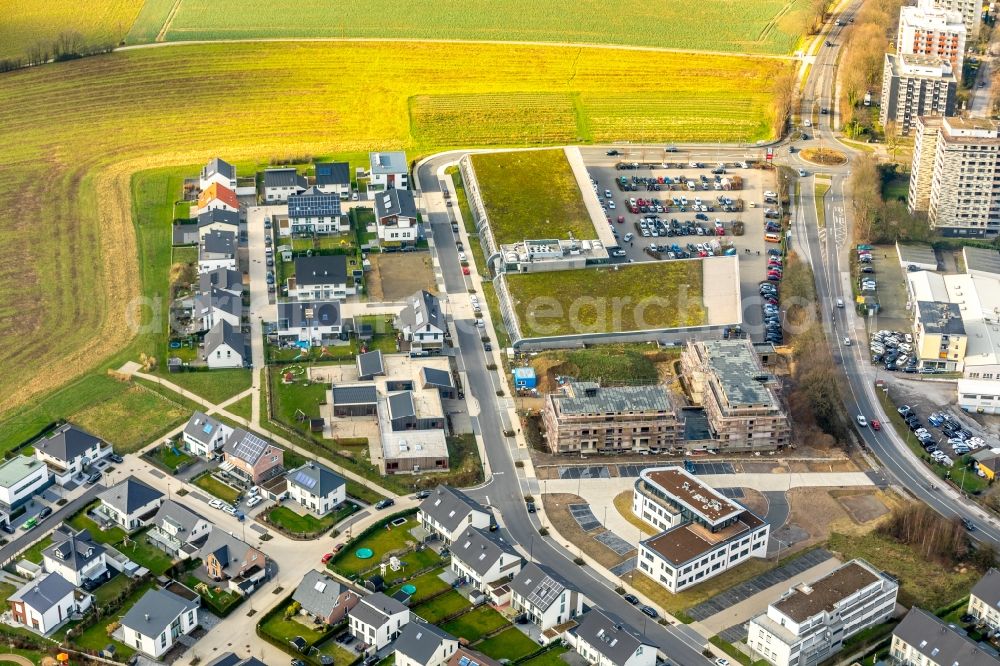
68 44
37 54
292 610
784 92
892 137
865 186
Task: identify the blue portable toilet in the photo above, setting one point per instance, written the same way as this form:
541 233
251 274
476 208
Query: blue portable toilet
524 378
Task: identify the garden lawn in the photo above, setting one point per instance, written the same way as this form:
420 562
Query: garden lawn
217 488
531 194
96 636
341 657
306 523
213 385
83 522
167 458
285 630
34 552
242 407
550 658
116 420
288 399
427 585
381 542
510 644
441 607
659 295
476 624
111 589
6 589
145 554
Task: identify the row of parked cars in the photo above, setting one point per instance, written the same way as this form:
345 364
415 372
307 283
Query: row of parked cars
769 306
893 349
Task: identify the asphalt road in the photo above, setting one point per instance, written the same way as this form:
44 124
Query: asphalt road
14 548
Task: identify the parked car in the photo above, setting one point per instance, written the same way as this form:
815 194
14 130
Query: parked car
423 494
326 558
115 458
650 612
632 599
385 504
45 512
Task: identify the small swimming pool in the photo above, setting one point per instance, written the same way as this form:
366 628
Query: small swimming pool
364 553
409 589
398 522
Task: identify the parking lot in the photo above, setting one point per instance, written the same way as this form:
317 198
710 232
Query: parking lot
688 226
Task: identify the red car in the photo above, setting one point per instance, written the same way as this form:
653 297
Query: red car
326 558
621 219
465 270
876 425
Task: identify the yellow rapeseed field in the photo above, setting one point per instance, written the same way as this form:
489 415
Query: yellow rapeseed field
73 133
24 22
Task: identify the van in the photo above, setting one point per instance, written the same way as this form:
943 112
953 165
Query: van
840 303
772 237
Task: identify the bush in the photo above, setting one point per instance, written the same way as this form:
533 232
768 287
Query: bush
543 531
579 560
500 394
620 590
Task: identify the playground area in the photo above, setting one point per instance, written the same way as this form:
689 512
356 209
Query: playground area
391 550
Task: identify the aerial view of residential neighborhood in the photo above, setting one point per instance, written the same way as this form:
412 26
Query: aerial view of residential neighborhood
500 333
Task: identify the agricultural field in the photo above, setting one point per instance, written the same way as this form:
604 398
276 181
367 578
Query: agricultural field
762 26
533 195
629 298
80 157
25 22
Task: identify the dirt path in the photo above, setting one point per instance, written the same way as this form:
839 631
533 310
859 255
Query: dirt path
161 36
15 659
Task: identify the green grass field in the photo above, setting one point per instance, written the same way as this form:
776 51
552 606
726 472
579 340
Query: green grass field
510 644
476 623
217 488
25 22
660 295
215 385
442 606
381 542
764 26
116 420
531 195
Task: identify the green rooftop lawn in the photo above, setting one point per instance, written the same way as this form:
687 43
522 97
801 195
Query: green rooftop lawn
634 297
531 195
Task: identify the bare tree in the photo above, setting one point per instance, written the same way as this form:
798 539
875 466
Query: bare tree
784 92
866 196
37 54
68 44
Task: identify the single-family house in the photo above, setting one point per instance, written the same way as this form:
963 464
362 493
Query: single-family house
218 171
69 450
376 620
218 220
253 459
423 644
21 478
984 601
334 178
422 324
483 558
130 504
321 278
204 435
387 171
155 622
323 598
465 657
604 640
230 659
217 197
280 183
45 603
316 488
217 249
178 531
447 511
75 556
225 557
987 462
314 213
315 322
214 306
544 596
396 219
225 346
222 279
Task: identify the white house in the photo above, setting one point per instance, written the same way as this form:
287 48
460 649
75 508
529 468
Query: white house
217 250
75 556
423 644
422 324
280 183
214 306
377 620
47 602
483 558
218 220
396 219
21 478
447 511
315 322
69 450
130 503
544 596
217 197
606 641
984 600
334 178
314 213
387 171
157 620
316 488
178 531
204 435
224 280
224 346
218 171
810 622
321 278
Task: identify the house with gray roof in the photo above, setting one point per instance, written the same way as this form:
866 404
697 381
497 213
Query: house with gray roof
354 400
922 639
214 306
218 220
47 602
75 556
387 171
321 278
217 171
226 557
377 620
315 322
316 488
223 279
130 504
279 184
177 530
334 178
483 558
396 219
447 511
205 435
544 596
370 365
225 346
984 601
156 621
422 324
423 644
69 450
217 249
438 379
604 640
324 598
230 659
314 212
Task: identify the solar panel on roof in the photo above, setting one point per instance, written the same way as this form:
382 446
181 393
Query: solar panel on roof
304 479
207 428
464 661
250 448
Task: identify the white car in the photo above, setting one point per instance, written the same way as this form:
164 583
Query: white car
229 509
628 237
862 421
461 256
808 123
480 323
216 504
611 204
254 501
847 342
